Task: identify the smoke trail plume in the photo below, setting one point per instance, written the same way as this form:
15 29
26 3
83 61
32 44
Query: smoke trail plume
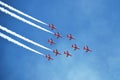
22 13
23 20
24 38
19 44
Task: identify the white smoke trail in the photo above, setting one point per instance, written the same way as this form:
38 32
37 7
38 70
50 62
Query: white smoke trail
19 44
23 20
24 38
20 12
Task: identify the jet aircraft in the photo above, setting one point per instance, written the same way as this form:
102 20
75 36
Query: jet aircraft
75 47
56 52
49 57
58 35
52 26
67 53
87 49
51 41
70 36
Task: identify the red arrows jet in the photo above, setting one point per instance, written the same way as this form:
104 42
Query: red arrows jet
70 36
67 53
56 52
51 41
52 26
58 35
75 47
87 49
49 57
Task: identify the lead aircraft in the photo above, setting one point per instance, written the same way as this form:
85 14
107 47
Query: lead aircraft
87 49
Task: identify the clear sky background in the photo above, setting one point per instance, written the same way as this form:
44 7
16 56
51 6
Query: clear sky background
92 22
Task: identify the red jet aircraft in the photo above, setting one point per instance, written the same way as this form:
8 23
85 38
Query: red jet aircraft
75 47
87 49
70 36
51 41
56 52
67 53
52 26
49 57
58 35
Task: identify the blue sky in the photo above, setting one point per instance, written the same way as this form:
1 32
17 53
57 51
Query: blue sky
92 22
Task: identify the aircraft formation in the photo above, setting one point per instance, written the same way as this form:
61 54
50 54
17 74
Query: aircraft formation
70 37
5 8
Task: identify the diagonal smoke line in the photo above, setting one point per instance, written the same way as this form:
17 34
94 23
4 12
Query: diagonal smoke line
24 38
19 44
23 20
22 13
